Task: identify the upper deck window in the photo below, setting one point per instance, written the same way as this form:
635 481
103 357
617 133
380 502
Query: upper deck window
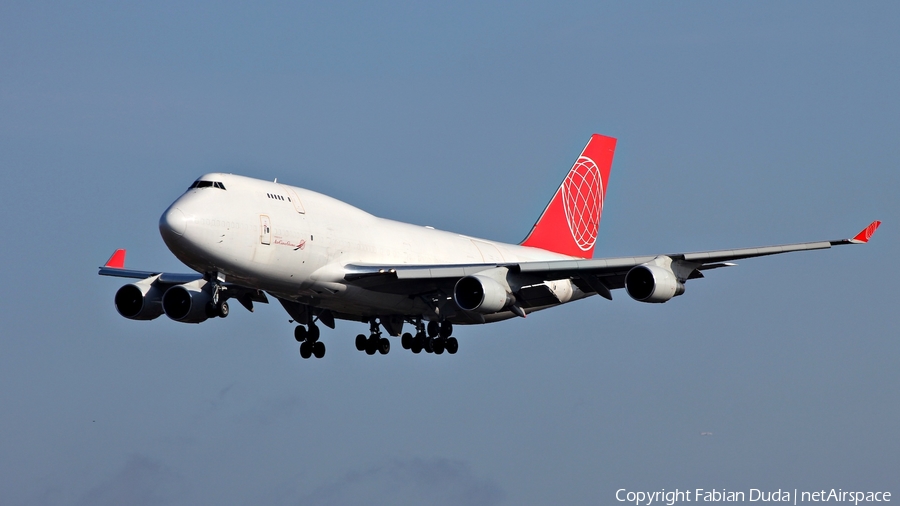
207 184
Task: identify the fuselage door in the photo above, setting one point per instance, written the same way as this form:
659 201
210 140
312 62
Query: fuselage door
292 196
265 229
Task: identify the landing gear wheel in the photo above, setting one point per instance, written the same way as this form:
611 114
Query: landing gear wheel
371 345
406 341
434 328
305 349
300 333
222 309
429 345
446 329
361 342
452 345
418 343
318 349
312 334
384 346
438 345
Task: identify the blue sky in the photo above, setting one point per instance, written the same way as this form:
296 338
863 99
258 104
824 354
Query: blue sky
738 125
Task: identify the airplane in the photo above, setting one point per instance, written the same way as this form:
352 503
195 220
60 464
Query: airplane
325 260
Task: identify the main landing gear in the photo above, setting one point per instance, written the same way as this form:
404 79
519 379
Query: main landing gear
432 338
309 341
373 343
436 341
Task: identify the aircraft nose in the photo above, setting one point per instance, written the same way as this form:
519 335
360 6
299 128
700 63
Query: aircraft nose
173 221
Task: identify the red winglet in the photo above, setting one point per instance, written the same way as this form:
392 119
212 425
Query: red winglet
570 221
117 260
866 234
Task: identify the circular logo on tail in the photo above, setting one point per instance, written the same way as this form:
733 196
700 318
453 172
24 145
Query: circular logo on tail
582 197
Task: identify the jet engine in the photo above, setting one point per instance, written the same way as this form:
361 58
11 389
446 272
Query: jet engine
139 301
652 283
187 303
482 294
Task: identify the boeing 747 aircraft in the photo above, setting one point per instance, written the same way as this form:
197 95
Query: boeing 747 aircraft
323 260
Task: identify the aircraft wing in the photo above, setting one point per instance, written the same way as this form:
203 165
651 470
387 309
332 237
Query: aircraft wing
594 275
115 266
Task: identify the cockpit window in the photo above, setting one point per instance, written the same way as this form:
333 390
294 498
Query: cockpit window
207 184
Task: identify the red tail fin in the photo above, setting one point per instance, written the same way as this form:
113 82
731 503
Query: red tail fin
571 220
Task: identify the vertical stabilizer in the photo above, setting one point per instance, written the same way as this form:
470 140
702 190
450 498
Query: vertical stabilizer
571 220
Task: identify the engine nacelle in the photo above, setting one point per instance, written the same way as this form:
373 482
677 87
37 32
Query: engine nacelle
187 303
652 283
139 301
482 294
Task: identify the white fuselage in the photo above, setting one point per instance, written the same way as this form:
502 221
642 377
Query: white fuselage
294 243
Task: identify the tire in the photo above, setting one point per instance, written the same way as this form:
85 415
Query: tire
384 346
446 329
371 345
318 349
434 328
312 333
418 342
305 349
300 333
439 345
452 346
429 345
222 309
361 342
406 341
